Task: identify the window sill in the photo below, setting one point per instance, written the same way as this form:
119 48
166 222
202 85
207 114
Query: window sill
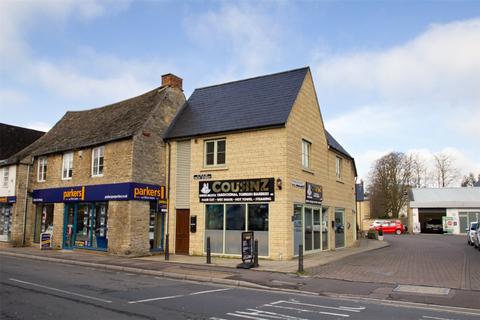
340 181
97 176
308 170
204 169
66 179
41 181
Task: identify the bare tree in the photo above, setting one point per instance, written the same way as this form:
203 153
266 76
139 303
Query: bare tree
445 170
419 172
469 180
389 184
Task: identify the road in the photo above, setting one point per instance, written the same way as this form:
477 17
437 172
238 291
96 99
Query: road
33 289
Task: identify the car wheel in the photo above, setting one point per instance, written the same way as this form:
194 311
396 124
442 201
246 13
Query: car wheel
398 231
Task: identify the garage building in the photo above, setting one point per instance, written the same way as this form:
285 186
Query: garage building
459 206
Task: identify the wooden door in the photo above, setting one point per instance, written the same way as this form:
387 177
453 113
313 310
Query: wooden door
182 233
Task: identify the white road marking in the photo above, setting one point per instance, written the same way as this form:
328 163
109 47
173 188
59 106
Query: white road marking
245 316
351 309
179 296
155 299
311 311
208 291
275 315
60 290
436 318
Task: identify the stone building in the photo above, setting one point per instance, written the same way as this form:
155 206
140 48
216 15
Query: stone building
12 140
253 155
97 178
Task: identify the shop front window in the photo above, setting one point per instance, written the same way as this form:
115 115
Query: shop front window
339 228
225 223
214 226
5 221
43 221
324 224
156 226
86 226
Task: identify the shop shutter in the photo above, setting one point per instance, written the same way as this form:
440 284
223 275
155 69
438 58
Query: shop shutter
182 196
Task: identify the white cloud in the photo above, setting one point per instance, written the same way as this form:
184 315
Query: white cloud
248 33
440 66
365 121
9 97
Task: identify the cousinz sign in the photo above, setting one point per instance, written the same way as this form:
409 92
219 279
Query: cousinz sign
245 190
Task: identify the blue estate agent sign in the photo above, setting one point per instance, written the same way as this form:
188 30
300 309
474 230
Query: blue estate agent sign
101 192
12 199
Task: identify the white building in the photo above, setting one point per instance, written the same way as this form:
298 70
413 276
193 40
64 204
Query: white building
460 205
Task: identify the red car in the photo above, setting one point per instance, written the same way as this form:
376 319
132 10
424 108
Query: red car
392 227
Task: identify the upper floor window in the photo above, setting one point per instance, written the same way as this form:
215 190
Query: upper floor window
5 176
215 152
97 161
338 167
42 169
306 151
67 166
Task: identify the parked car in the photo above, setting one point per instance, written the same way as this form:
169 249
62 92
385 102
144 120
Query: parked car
477 240
472 232
377 223
395 226
434 225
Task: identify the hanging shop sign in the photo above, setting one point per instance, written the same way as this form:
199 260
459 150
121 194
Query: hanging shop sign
246 190
101 192
8 199
313 193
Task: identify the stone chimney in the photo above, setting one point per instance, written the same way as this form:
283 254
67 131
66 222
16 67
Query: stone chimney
172 80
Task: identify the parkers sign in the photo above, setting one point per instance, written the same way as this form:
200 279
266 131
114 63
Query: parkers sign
247 190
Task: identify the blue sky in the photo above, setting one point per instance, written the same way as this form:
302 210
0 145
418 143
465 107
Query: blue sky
393 75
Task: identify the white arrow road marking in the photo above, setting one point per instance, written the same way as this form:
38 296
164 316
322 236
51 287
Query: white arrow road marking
60 290
178 296
275 315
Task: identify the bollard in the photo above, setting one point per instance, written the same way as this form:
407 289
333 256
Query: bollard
209 251
300 258
255 254
167 248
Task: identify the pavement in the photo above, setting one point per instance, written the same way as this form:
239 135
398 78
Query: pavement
373 270
36 289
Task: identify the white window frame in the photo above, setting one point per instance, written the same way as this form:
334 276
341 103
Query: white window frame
215 153
96 161
67 156
42 169
306 154
5 176
338 167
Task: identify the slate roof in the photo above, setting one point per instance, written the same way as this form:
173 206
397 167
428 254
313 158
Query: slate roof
332 143
461 197
259 102
79 129
14 139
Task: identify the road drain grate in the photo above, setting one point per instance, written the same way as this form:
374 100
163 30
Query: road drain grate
422 290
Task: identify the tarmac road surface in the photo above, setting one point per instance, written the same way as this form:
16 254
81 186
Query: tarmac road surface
33 289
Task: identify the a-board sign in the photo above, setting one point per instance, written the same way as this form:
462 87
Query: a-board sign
447 225
247 246
45 240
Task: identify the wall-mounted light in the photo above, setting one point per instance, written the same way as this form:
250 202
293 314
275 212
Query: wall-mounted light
279 183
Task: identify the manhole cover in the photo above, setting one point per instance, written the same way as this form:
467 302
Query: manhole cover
422 290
